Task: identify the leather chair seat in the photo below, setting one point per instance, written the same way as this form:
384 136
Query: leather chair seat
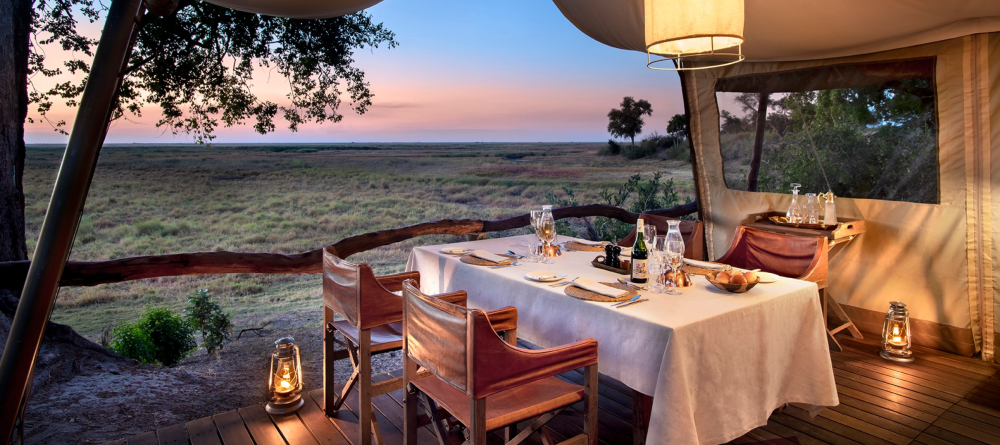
507 407
384 337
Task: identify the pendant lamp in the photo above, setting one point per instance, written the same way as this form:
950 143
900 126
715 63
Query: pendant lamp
680 31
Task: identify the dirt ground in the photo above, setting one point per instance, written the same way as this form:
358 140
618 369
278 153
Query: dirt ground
102 400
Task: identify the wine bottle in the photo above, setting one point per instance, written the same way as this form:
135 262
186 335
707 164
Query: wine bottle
639 255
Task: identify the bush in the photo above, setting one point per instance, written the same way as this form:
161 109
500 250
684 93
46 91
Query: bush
129 340
647 147
613 148
160 336
206 316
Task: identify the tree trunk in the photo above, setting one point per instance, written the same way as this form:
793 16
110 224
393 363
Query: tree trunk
15 20
758 142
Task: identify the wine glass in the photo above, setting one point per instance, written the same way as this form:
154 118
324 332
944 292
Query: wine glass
659 243
649 232
675 255
536 216
794 213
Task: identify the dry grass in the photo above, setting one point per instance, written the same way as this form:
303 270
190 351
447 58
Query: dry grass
149 200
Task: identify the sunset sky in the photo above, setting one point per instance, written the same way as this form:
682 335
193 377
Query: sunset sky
506 71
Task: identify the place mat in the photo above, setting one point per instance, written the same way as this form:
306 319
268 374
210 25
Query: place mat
584 294
573 245
476 261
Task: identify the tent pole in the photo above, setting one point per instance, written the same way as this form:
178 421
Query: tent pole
65 207
694 158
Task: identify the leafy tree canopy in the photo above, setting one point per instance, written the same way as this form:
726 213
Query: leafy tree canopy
627 121
197 65
678 126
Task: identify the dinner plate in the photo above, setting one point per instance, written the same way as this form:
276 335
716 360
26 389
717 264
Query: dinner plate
767 277
456 250
544 276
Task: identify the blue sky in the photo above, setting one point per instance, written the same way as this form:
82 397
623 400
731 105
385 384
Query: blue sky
513 70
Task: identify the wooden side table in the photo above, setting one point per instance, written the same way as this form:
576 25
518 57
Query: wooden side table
846 231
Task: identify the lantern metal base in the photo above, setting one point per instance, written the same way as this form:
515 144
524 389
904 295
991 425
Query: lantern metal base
896 358
285 406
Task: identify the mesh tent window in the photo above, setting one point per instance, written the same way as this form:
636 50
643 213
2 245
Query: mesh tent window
866 130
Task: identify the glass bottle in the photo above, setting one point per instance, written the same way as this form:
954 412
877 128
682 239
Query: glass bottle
831 209
640 254
794 213
811 211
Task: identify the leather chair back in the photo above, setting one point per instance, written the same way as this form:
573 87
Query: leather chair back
435 334
793 256
693 233
353 291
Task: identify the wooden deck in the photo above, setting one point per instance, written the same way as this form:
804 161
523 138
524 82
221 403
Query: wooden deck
939 399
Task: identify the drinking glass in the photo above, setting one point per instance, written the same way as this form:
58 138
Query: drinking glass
659 243
656 266
649 232
538 251
531 256
811 212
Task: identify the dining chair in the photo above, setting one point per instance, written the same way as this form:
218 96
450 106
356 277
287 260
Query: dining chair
371 325
692 231
793 256
483 382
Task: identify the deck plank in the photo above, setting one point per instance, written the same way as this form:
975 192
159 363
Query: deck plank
345 420
953 384
911 424
864 435
951 436
203 432
172 435
293 430
904 432
905 388
232 430
319 425
147 438
967 427
259 424
929 370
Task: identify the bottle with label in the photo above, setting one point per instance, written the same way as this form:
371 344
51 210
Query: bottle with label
639 255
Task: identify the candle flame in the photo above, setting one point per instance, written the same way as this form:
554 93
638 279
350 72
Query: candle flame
895 330
284 384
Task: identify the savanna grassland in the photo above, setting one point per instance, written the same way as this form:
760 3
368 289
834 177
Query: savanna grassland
151 200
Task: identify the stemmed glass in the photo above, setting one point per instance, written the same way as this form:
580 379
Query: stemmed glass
649 232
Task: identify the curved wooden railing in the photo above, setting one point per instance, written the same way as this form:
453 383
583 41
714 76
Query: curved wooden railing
86 273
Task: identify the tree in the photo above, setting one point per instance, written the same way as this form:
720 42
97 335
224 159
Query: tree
196 64
677 128
627 121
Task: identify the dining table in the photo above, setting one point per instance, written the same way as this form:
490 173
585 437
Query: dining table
715 363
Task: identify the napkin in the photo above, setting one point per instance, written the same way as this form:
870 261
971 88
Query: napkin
705 264
591 243
599 288
488 256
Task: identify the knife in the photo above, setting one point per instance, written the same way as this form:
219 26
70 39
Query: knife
631 303
630 300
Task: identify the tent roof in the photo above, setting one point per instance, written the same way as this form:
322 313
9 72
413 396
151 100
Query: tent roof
298 9
783 30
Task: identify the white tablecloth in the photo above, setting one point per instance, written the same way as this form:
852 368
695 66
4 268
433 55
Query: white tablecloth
716 363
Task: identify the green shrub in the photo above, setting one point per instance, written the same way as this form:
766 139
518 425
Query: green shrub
206 316
613 148
129 340
160 336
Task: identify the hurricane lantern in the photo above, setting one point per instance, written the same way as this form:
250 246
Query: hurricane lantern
707 31
285 381
896 334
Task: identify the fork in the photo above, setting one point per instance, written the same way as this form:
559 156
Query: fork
563 283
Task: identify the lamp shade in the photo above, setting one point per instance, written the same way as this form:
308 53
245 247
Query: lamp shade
692 27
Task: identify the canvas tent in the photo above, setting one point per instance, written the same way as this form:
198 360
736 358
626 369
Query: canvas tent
937 257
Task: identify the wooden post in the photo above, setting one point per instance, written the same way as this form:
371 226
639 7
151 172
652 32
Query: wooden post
642 408
590 403
365 414
329 351
477 429
65 207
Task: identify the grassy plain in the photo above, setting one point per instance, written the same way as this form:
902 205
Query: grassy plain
150 200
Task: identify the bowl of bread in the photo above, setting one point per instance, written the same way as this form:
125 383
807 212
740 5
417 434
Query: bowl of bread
734 280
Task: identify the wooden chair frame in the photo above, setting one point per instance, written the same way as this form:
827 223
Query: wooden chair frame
475 433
